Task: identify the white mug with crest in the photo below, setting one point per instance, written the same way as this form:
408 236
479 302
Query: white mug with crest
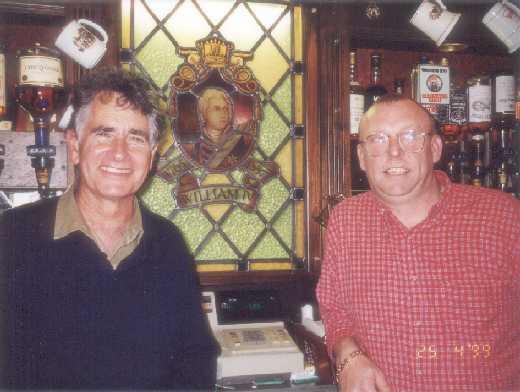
79 41
503 19
435 20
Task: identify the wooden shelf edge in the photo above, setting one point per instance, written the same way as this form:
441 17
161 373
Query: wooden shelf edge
252 279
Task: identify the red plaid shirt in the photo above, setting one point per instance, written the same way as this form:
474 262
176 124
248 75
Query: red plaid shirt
437 306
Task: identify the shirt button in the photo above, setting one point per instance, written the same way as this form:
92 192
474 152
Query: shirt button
418 323
413 278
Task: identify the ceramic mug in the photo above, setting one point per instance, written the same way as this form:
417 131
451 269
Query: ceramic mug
80 42
435 20
503 19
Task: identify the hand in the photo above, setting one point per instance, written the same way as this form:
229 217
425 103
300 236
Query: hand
362 375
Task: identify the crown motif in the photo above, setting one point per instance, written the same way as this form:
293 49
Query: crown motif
215 51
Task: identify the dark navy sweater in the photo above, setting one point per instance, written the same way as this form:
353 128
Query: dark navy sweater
68 320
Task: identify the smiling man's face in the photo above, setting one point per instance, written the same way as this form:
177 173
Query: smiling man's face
114 153
398 176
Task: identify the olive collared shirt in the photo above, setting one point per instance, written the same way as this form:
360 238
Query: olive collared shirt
69 219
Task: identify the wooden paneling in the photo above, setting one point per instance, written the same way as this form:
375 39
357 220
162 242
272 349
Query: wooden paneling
328 44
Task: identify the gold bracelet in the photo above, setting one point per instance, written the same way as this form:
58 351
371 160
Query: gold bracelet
346 362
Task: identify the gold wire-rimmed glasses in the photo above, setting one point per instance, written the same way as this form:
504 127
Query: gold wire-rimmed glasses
376 144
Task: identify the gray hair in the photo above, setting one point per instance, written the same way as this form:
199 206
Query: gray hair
84 113
129 89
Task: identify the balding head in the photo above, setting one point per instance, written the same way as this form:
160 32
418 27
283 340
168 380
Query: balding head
391 99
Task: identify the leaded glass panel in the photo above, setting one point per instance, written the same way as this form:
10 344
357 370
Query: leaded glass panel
227 236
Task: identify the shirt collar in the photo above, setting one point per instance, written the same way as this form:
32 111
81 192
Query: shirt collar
446 187
69 219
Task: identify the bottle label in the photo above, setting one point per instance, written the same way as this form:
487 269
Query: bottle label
458 106
476 181
357 106
505 94
40 71
479 103
439 112
2 84
502 177
433 84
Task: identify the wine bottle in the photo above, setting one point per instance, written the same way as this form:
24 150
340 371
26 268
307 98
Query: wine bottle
357 106
503 98
375 90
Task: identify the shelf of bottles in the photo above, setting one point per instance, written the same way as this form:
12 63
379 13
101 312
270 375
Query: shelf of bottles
478 116
479 133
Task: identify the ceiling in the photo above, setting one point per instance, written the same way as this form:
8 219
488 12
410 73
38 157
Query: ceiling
393 29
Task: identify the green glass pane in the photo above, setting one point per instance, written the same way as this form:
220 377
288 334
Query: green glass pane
193 225
282 33
257 156
242 228
161 8
176 152
187 25
215 10
143 23
273 195
238 176
266 13
268 65
283 97
284 226
159 58
156 195
272 130
242 29
268 248
217 249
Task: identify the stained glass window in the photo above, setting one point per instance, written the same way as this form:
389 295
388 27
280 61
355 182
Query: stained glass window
226 236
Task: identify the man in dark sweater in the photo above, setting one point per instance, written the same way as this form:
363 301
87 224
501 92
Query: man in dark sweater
97 291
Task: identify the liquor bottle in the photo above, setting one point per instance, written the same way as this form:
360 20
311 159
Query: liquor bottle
431 88
399 86
478 173
515 150
40 92
458 101
479 99
517 90
356 97
375 90
515 132
443 109
503 97
3 106
489 166
357 107
504 158
450 151
464 156
5 124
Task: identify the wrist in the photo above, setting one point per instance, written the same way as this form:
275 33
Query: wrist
344 364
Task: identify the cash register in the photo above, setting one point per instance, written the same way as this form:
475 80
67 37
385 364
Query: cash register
256 349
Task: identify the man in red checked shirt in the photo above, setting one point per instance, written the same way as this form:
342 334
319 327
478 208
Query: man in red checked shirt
420 284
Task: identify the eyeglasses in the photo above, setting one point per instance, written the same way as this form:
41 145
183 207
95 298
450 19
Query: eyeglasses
377 144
